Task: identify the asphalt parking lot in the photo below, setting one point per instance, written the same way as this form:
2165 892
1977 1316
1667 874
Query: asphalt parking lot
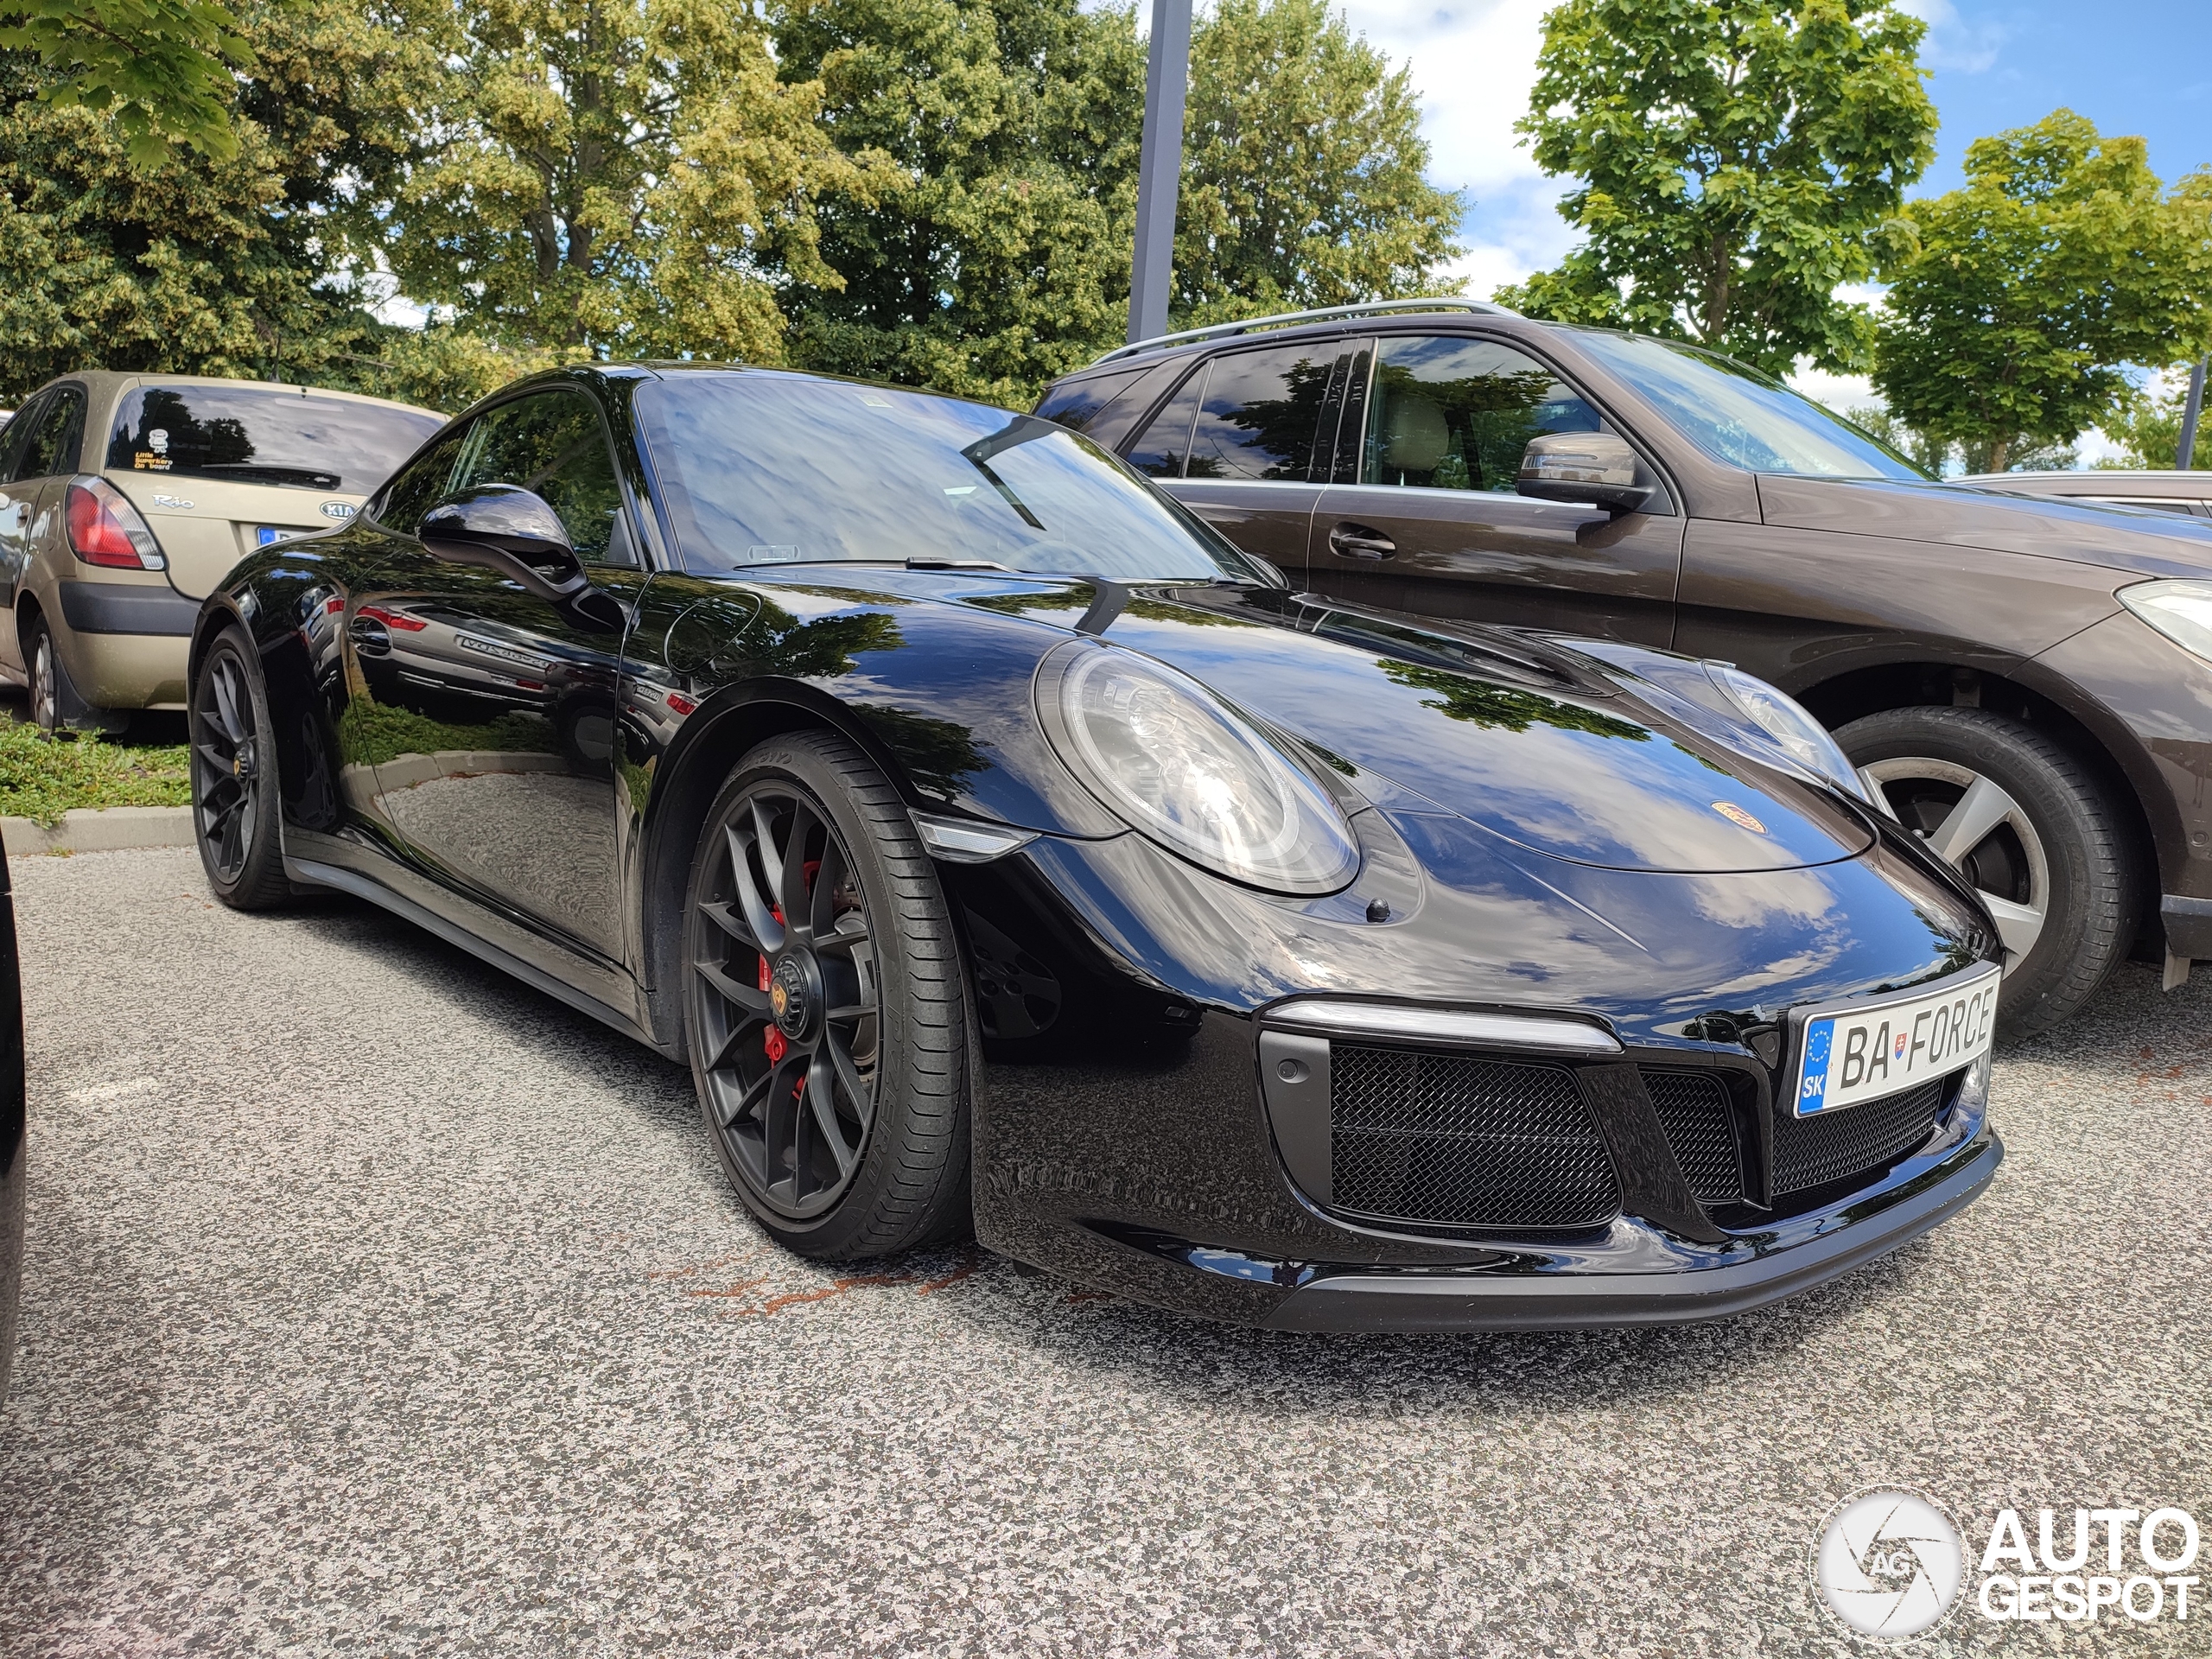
375 1303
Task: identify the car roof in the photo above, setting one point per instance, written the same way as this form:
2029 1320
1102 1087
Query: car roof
2098 481
105 384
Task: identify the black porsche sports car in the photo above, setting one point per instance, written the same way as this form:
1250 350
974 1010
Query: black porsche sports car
1002 848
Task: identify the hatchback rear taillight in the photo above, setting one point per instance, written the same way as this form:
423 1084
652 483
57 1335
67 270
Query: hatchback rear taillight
105 529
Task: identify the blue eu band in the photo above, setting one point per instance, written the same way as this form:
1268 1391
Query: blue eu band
1814 1093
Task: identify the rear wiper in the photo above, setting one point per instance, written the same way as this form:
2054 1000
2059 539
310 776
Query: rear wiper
956 564
250 472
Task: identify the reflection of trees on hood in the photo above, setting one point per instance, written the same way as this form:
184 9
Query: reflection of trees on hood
779 643
937 753
1481 704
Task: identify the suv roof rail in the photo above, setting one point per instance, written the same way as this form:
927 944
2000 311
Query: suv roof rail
1284 318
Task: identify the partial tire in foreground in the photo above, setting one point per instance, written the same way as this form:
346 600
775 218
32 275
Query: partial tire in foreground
45 677
824 1006
2028 826
234 799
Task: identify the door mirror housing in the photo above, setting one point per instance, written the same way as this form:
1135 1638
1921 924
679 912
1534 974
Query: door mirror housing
1595 467
506 528
511 532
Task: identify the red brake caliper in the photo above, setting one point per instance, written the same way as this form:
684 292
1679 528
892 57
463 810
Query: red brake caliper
774 1043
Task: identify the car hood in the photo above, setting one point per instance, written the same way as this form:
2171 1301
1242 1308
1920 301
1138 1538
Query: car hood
1542 748
1958 515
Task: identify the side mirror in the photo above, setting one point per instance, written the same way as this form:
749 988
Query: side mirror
1591 466
506 529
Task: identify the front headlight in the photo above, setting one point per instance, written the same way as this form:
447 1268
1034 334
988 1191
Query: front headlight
1782 718
2180 610
1177 765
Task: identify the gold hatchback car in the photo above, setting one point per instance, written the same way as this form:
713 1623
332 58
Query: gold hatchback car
126 498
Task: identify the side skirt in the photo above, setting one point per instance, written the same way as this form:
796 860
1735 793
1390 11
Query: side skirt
313 873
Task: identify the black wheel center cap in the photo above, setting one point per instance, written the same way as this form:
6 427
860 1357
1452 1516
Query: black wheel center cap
791 996
242 763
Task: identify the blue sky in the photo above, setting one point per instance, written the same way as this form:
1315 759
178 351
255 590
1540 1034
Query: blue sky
2141 66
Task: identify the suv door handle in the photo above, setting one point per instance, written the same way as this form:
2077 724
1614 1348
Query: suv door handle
1359 542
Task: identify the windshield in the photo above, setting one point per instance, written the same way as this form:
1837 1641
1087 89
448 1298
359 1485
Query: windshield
759 468
1735 414
264 434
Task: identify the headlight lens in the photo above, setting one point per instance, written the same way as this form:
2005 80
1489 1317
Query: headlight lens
1782 718
2180 610
1175 763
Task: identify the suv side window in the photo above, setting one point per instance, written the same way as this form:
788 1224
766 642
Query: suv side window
1246 414
1454 413
551 444
51 445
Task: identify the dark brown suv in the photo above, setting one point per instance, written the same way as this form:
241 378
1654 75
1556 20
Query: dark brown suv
2026 683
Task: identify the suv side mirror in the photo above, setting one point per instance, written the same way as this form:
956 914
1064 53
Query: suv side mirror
1594 466
507 528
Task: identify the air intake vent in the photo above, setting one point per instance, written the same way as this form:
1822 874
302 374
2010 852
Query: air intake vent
1450 1140
1831 1146
1693 1107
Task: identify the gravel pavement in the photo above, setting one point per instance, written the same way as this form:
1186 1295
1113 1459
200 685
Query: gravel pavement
376 1304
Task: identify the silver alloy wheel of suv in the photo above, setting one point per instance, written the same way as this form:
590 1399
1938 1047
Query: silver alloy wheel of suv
1983 833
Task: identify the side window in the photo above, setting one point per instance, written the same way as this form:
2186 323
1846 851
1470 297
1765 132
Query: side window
50 445
551 444
1161 446
1455 414
1077 404
1260 411
419 485
16 438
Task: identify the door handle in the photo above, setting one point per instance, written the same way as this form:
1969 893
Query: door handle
1358 542
370 636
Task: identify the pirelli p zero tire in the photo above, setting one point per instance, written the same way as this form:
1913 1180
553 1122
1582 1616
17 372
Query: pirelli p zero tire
234 797
825 1006
2030 827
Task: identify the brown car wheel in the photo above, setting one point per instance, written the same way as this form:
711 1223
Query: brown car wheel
45 677
824 1006
2028 826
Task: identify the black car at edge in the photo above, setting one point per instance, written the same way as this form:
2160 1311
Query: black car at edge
1002 848
2026 684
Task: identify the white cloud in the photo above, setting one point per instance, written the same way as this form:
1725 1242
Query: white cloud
1474 63
1953 43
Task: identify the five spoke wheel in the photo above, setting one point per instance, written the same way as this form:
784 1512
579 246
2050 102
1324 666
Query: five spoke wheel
784 959
1971 824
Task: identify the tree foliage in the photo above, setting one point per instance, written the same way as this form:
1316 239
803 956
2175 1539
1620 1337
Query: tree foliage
2022 295
2144 421
627 175
1002 138
159 69
1303 170
1740 160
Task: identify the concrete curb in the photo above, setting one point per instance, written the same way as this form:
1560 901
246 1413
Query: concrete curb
102 829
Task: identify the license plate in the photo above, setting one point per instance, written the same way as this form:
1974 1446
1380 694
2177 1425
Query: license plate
1851 1052
264 534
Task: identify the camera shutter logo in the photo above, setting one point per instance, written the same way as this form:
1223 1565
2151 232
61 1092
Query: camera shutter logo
1888 1564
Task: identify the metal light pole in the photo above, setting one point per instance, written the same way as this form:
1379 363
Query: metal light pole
2189 411
1160 169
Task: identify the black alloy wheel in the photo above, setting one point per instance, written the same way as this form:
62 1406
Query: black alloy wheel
824 1005
45 677
2029 828
234 777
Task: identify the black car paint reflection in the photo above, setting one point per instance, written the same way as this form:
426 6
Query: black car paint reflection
1534 835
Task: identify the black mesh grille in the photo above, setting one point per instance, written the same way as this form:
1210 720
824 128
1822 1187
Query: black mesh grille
1693 1107
1811 1152
1446 1139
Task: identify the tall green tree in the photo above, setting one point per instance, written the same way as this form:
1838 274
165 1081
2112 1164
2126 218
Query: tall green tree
628 176
1740 160
1003 134
1303 174
160 70
2146 422
2019 297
